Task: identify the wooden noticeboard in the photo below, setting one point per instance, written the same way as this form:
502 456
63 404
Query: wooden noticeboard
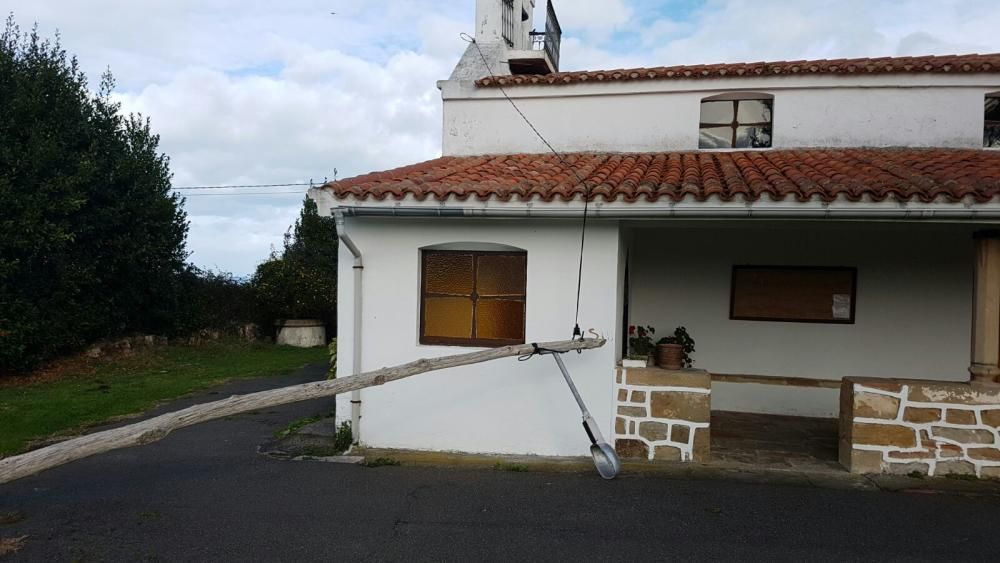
805 294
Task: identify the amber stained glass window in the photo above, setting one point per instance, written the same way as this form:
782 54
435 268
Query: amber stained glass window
473 298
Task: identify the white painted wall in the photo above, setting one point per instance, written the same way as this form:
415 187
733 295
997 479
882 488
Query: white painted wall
498 407
914 301
818 111
775 399
489 22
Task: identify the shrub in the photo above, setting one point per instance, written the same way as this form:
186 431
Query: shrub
302 281
214 300
91 239
342 442
289 290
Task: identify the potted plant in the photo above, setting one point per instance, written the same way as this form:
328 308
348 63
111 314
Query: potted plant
674 352
640 346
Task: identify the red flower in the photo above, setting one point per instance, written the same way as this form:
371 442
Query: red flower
631 330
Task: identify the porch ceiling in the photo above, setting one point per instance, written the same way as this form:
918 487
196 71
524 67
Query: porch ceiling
853 175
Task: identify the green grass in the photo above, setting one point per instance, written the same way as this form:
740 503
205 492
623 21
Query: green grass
383 462
511 467
299 425
125 386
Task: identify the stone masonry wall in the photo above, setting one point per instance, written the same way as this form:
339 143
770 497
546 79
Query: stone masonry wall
662 414
902 427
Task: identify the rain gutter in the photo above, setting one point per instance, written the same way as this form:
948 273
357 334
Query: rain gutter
356 323
848 211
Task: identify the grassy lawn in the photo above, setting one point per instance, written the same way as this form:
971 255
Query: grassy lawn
102 390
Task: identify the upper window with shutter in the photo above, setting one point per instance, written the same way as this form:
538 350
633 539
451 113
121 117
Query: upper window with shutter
991 114
472 298
736 121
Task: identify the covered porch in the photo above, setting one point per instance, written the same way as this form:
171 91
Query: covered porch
784 312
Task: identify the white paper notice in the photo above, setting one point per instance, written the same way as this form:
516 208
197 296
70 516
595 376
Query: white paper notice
841 306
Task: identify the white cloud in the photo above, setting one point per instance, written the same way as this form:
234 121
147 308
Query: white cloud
662 29
576 54
325 110
753 30
238 243
595 18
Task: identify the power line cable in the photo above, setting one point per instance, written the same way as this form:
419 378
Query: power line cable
245 186
310 183
243 194
586 189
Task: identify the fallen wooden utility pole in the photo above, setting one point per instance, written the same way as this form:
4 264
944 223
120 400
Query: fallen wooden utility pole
157 428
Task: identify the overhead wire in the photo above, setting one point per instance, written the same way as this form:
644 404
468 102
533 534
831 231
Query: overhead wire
565 164
244 186
562 160
244 193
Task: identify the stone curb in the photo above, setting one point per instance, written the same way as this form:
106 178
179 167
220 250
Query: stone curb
695 472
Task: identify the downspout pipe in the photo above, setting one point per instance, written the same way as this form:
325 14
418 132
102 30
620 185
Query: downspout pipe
359 268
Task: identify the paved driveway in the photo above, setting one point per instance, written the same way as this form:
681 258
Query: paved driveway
203 494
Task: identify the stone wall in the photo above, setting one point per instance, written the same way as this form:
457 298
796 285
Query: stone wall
663 414
902 427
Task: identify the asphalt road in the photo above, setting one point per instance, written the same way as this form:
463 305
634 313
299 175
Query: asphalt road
203 494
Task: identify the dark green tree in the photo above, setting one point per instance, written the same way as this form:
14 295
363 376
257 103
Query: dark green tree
91 237
302 281
313 241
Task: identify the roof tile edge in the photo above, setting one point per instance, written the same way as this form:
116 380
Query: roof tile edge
935 64
854 174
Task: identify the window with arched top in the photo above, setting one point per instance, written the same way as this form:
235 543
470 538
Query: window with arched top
473 295
736 121
991 115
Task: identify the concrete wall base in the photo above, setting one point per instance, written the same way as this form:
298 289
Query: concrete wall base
307 333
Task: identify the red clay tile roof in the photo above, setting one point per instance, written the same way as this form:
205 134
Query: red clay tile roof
954 64
802 174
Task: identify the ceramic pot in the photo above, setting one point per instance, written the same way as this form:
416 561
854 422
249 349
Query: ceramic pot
670 356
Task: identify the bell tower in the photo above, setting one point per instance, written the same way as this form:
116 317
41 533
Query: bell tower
506 38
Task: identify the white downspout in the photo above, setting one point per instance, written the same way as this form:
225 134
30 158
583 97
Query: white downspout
356 327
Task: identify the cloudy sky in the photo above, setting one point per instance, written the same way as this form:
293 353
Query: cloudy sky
258 91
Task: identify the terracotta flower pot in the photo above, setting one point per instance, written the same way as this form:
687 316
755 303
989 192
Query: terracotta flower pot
670 356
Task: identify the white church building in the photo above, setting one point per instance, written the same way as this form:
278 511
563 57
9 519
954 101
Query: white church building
815 225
